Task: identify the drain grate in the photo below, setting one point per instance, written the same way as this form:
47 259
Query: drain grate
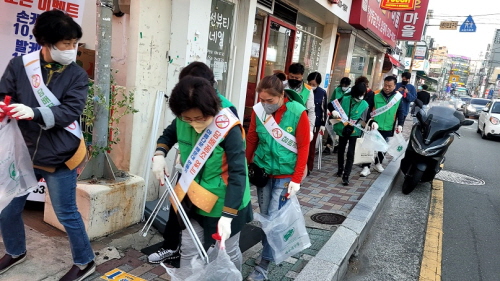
328 218
458 178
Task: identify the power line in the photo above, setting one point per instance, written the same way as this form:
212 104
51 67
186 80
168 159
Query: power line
484 15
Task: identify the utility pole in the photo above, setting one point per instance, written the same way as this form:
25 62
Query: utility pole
101 166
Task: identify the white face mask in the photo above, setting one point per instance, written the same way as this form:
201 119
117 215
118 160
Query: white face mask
314 88
359 98
345 88
62 57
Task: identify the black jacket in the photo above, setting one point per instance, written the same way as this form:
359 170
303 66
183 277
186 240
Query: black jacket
320 103
48 142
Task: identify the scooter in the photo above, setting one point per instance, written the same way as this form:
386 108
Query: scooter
430 138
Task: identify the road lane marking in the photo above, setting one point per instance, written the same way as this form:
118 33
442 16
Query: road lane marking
430 268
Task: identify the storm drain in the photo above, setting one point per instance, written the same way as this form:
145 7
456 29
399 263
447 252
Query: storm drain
328 218
458 178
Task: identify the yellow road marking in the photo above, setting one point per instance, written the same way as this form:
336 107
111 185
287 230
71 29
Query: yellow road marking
430 269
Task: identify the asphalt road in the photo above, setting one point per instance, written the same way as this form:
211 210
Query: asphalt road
471 226
471 234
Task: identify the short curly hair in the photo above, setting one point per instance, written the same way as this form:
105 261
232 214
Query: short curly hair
54 26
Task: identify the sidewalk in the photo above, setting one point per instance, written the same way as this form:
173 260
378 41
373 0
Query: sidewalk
327 258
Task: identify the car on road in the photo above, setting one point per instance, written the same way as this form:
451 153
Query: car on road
473 107
488 123
460 101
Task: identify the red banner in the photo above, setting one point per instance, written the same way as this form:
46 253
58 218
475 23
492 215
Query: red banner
367 14
398 5
412 23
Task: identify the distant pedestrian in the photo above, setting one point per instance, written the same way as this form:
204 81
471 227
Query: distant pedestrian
407 90
285 163
321 110
424 96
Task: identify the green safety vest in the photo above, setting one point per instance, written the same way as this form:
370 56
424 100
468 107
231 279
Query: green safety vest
225 102
337 94
274 158
385 120
354 114
211 176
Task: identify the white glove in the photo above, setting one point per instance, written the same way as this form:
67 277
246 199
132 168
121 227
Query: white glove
224 228
293 188
311 135
322 130
21 111
160 168
399 129
374 126
335 114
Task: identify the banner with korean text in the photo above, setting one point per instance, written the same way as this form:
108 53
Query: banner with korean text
412 23
398 5
17 19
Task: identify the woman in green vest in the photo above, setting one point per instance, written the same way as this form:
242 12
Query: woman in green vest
356 109
283 162
195 104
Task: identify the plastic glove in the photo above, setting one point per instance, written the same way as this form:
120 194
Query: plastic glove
224 228
322 130
374 126
335 114
20 111
311 135
399 129
293 188
160 168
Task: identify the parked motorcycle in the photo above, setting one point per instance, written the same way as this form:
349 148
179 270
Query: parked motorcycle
430 138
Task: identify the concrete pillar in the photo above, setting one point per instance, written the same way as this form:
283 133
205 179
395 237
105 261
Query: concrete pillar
343 58
243 34
148 43
327 50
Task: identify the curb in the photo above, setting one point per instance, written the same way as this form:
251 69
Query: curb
332 261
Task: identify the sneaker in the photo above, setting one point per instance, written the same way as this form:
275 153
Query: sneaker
7 261
365 172
379 168
77 274
258 274
163 254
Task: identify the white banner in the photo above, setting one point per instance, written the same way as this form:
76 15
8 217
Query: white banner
17 19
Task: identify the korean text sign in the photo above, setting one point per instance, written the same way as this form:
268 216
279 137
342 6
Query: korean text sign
17 22
412 22
398 5
367 14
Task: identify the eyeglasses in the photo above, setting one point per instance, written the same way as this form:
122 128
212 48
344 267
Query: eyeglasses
196 120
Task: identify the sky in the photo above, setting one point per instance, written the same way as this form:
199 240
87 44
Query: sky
461 43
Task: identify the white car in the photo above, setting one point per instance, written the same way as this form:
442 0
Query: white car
488 124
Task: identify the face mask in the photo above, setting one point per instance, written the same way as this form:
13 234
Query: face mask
345 88
359 98
294 83
271 108
404 82
199 127
314 88
62 57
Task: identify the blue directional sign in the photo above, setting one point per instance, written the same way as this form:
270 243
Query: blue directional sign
468 25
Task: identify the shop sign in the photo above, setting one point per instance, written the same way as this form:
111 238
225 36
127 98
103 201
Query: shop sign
367 14
340 8
18 19
420 52
448 25
398 5
412 22
422 65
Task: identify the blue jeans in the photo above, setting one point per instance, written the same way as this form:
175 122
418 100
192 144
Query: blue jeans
270 201
62 188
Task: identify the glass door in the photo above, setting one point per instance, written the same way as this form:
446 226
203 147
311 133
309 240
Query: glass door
279 45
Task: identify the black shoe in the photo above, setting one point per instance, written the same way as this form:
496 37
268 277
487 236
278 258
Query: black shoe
339 172
308 172
335 149
345 180
77 274
326 150
7 261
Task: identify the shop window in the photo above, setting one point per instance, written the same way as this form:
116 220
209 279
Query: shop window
308 39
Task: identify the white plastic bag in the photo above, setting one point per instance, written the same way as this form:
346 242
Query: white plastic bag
220 268
363 155
286 231
373 140
17 177
397 146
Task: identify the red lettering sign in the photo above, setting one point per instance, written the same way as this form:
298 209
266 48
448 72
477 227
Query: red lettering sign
412 22
70 8
398 5
366 14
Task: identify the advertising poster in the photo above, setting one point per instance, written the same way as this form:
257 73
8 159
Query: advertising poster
17 18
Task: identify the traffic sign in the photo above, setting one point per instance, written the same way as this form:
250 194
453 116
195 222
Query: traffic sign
448 25
468 25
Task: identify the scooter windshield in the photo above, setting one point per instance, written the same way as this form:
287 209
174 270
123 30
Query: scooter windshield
440 121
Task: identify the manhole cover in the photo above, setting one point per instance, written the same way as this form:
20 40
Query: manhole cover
458 178
328 218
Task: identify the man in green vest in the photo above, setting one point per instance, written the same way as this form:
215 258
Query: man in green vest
295 82
385 122
340 91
